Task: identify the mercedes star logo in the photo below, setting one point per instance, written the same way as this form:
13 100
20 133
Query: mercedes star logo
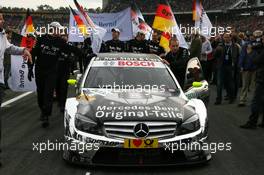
141 130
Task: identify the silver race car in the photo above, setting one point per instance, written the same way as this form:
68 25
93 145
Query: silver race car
130 111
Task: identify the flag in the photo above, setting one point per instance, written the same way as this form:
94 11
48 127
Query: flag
18 80
28 26
197 10
164 40
204 24
82 27
23 41
165 22
97 32
138 21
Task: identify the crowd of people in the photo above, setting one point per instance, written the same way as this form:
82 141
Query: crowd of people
251 23
176 5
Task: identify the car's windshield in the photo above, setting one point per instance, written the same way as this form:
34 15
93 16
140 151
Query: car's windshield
125 77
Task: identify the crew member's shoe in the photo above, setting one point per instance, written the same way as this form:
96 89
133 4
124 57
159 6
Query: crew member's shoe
41 118
248 126
45 122
241 104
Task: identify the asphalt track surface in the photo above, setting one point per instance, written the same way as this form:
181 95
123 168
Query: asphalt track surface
21 128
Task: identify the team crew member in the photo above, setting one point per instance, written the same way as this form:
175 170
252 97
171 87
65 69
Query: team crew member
88 52
6 46
65 61
257 103
114 45
154 45
48 50
177 59
63 74
139 44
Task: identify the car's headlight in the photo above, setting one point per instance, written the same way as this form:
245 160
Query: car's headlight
87 125
190 125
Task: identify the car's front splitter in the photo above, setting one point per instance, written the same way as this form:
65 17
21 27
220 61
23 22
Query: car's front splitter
116 155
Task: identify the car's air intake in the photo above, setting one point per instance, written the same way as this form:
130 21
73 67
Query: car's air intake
125 129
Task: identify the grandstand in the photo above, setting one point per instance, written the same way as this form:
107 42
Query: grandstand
178 6
241 14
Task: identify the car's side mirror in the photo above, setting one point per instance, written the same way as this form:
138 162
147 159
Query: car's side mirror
194 74
199 90
197 84
72 82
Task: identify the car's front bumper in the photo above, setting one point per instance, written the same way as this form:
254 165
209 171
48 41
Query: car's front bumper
113 154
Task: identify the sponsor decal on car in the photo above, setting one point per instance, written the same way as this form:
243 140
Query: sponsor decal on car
141 143
128 63
119 112
85 97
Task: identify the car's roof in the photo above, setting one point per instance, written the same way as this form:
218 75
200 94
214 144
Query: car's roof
127 56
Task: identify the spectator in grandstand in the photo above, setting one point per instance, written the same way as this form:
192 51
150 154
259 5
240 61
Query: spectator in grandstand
248 70
258 99
6 46
177 59
241 37
154 45
196 45
206 55
226 54
139 44
114 45
257 41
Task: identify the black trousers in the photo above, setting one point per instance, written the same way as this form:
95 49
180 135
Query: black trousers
46 82
225 78
63 75
257 104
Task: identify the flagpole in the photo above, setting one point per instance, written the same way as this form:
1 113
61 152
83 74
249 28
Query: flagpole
150 33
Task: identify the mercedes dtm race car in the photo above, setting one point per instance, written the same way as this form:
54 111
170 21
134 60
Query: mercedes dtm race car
130 110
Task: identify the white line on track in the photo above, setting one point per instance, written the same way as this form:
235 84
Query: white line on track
15 99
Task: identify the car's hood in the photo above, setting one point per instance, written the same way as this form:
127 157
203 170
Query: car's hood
102 105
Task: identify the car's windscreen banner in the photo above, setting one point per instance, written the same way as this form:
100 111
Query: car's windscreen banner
128 63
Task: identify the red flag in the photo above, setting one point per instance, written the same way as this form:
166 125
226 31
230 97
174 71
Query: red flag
28 26
79 22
